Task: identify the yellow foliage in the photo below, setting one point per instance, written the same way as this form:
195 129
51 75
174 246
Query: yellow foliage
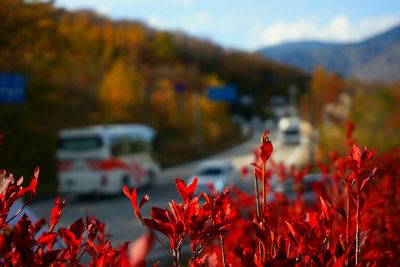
163 103
117 91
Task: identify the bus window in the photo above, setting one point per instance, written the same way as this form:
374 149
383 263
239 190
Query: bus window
139 146
80 143
119 147
128 146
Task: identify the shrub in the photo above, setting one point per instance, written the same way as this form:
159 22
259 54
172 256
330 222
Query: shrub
353 222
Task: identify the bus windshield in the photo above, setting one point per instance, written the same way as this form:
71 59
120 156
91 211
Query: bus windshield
80 143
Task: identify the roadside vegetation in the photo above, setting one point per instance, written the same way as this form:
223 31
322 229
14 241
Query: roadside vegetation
332 101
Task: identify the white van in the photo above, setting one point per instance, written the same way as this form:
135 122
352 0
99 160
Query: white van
289 130
101 159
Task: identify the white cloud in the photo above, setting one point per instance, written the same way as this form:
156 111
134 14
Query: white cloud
339 26
103 10
338 29
154 21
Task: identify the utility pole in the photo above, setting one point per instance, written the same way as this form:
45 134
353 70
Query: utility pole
311 145
197 121
293 90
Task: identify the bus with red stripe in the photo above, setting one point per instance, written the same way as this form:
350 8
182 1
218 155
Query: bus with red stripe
103 158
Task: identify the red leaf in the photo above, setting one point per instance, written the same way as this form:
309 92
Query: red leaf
370 154
342 212
192 187
266 148
370 176
24 226
38 225
159 214
92 227
72 243
50 256
47 238
133 197
56 213
33 183
325 208
186 192
372 204
144 200
293 232
356 153
77 228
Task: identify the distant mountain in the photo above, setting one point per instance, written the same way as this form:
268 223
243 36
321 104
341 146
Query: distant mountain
374 59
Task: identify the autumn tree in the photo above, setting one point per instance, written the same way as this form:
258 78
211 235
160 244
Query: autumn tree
118 93
324 89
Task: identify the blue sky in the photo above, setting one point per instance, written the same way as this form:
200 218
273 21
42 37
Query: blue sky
252 24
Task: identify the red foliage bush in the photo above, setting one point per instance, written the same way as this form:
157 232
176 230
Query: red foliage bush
353 223
28 244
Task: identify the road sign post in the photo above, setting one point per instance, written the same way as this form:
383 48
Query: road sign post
197 122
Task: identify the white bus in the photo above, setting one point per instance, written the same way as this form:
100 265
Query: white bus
101 159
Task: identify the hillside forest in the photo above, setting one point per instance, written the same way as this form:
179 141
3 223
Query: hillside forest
83 69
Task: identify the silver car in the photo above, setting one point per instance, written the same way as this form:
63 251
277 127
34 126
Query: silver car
217 174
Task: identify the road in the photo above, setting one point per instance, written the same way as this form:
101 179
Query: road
117 212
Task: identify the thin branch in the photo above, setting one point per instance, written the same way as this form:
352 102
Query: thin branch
201 247
264 190
257 194
358 210
159 241
221 238
83 252
263 209
18 212
348 217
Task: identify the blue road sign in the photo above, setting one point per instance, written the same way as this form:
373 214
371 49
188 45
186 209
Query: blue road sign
226 93
12 88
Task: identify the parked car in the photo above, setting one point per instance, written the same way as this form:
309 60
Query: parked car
216 174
